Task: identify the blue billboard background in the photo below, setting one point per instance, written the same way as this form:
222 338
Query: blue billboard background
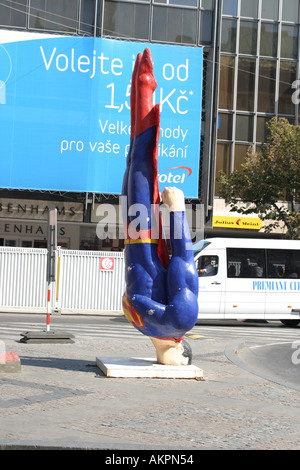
65 114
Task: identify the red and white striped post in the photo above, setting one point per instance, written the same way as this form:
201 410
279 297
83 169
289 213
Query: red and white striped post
51 258
48 307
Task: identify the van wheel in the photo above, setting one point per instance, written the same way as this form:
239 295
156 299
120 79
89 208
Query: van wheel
290 323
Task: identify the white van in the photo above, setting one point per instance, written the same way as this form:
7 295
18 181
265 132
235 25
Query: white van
249 279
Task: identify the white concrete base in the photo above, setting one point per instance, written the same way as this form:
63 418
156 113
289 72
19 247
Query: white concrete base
138 367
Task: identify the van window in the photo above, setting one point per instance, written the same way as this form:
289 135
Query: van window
283 263
244 262
207 265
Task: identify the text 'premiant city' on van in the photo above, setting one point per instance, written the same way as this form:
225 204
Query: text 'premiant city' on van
249 279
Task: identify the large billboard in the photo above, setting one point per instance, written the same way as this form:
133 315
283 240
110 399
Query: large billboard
65 112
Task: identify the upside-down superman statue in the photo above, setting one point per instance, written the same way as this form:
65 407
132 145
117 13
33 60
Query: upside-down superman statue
161 293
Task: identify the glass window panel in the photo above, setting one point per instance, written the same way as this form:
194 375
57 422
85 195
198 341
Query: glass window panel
230 7
10 242
268 39
87 17
240 154
290 10
54 15
228 39
269 9
288 74
225 127
246 84
207 265
246 262
261 130
99 18
248 37
126 20
206 27
226 82
10 15
289 41
266 86
249 8
283 263
208 4
222 162
244 128
191 3
174 25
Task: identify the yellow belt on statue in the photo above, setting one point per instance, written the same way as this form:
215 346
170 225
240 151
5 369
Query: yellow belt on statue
131 241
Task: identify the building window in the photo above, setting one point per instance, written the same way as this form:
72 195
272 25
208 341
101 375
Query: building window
206 27
248 37
266 87
225 126
209 4
12 15
289 41
228 40
246 84
230 7
87 17
53 15
240 153
174 25
249 9
244 128
126 20
269 39
222 161
269 9
261 129
185 3
290 10
226 82
288 74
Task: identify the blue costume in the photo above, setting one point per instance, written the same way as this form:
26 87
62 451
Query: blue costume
161 293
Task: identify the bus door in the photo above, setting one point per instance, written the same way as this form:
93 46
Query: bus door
210 285
246 269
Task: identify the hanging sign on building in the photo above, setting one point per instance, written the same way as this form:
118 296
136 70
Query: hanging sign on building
65 112
251 223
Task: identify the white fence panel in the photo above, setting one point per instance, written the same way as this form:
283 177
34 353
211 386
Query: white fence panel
80 286
83 286
23 278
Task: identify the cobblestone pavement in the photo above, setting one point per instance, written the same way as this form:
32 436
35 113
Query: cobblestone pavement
61 399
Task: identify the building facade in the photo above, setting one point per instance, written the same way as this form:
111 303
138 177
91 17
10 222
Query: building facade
251 60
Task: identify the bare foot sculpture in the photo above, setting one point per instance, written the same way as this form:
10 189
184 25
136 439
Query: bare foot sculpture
161 293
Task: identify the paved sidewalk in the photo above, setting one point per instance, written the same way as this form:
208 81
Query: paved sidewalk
60 399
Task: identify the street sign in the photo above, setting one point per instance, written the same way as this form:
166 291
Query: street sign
51 245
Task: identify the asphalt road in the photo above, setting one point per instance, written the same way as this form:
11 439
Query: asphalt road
277 362
266 349
248 398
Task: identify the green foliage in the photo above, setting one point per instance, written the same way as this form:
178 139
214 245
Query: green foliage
268 177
